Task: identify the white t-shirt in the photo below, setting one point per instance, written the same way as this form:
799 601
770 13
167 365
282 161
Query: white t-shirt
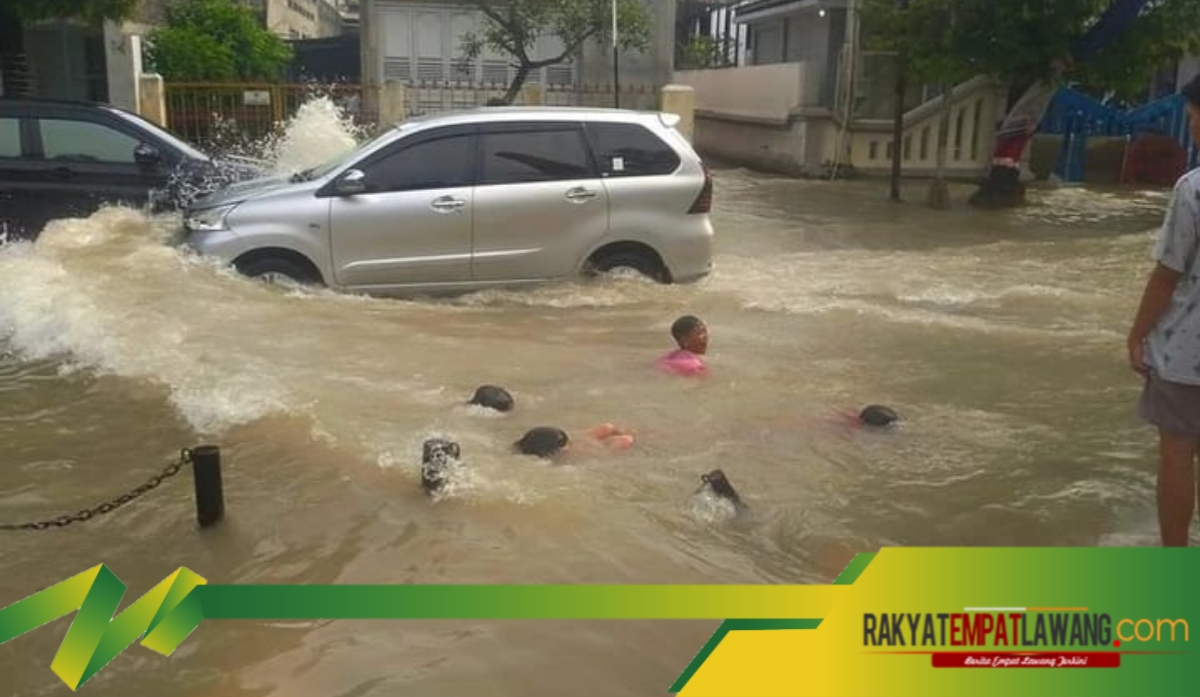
1173 347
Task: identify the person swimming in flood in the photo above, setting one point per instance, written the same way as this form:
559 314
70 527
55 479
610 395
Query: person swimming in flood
544 442
691 335
493 397
437 457
549 443
878 416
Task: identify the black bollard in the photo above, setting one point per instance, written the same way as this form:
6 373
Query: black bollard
210 496
716 482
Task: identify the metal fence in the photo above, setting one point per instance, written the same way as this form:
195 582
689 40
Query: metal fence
1078 117
432 97
216 113
207 112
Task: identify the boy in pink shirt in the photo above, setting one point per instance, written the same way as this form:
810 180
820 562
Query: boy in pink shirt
692 336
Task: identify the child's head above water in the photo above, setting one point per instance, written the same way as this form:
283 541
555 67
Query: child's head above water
691 334
878 416
492 397
543 442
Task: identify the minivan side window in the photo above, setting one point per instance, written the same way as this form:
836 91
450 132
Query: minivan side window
523 157
83 141
630 150
443 163
10 138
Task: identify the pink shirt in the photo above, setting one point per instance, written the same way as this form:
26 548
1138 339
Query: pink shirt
682 362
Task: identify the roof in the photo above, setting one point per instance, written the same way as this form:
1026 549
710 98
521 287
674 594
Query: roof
50 101
765 9
522 113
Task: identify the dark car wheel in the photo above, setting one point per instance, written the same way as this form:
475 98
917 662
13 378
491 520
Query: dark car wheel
276 270
641 263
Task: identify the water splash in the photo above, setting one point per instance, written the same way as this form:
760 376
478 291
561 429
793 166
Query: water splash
319 131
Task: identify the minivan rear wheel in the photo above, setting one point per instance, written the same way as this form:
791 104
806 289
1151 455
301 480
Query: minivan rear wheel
275 270
643 264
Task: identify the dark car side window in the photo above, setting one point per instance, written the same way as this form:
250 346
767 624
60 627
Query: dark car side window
10 138
530 156
84 141
630 150
443 163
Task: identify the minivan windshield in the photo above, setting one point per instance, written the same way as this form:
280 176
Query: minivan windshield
322 170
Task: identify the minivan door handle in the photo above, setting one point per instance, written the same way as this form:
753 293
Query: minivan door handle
580 194
448 204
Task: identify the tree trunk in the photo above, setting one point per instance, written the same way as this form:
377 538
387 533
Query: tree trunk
898 125
518 82
939 191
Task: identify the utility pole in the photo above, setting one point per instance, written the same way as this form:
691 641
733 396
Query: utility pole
616 60
898 115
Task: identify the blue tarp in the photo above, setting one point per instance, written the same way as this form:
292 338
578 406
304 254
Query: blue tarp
1077 117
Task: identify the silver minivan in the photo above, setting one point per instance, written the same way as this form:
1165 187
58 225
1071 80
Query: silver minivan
476 199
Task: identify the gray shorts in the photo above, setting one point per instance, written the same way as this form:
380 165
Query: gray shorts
1171 406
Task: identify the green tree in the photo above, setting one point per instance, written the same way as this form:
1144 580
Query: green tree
514 27
1018 40
922 34
216 40
1156 40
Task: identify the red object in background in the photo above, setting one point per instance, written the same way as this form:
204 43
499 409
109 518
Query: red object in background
971 659
1154 160
1011 147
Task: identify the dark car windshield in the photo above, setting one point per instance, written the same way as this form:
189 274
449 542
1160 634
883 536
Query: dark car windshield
187 148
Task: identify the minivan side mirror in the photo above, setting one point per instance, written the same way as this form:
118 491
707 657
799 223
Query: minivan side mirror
146 155
351 183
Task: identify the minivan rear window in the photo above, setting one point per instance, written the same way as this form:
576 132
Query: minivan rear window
630 150
521 157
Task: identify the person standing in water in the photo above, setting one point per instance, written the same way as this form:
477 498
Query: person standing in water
1164 347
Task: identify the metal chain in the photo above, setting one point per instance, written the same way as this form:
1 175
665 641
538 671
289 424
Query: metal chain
88 513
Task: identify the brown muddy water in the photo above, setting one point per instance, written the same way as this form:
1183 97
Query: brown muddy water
998 336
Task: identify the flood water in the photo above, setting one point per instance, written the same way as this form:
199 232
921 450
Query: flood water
997 336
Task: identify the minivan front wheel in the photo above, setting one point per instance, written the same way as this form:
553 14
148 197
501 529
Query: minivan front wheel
277 271
639 262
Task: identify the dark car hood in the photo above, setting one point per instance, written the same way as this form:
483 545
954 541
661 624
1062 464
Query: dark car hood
194 179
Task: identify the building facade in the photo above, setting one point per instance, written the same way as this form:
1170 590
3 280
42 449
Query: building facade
413 41
811 102
300 19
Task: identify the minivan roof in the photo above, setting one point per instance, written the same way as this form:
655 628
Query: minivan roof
55 102
525 113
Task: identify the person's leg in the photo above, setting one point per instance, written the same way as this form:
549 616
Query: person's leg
1177 489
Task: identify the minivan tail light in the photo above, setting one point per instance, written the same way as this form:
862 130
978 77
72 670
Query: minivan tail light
703 204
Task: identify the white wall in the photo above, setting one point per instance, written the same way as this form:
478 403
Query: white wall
1189 68
767 92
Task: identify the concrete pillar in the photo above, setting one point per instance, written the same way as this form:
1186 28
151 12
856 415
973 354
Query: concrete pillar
533 94
681 100
371 58
123 55
393 103
152 104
